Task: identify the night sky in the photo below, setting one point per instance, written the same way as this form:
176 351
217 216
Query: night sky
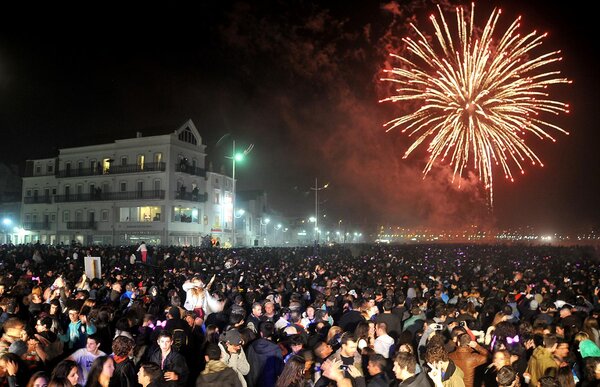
299 80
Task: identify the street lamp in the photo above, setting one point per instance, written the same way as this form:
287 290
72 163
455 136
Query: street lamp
316 188
6 223
265 223
235 157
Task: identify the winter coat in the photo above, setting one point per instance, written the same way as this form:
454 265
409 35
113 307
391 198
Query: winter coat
236 361
217 374
539 363
174 362
266 363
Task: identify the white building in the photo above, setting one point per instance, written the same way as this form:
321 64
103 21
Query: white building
152 188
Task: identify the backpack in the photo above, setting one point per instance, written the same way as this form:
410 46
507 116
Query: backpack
180 339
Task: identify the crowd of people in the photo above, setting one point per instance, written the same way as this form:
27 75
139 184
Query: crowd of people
376 315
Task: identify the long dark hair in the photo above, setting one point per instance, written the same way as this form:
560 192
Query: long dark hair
293 373
62 369
93 379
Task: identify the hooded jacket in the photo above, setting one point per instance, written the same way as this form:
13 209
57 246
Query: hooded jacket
540 361
217 374
266 363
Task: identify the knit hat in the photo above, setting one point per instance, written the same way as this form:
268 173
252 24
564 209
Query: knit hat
18 347
533 305
588 348
232 336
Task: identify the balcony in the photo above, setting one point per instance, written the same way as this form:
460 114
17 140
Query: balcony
191 196
110 196
38 199
36 226
113 170
190 170
82 225
31 173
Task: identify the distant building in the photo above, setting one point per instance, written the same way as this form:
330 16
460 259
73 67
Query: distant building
154 189
10 203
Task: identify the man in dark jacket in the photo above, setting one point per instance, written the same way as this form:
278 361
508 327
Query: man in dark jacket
217 373
173 365
150 375
265 358
376 367
405 368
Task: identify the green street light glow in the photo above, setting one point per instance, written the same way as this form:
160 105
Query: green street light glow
239 156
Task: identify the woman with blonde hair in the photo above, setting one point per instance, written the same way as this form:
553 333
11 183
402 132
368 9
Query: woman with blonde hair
198 298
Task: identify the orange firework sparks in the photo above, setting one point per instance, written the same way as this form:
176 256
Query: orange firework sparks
477 96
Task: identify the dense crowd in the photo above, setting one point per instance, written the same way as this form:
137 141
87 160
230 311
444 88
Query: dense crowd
376 315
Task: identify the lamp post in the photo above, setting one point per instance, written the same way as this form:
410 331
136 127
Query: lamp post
265 223
316 188
237 215
6 223
235 158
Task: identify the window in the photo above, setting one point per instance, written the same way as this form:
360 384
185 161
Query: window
158 158
47 193
67 190
35 193
53 217
34 217
140 214
106 187
186 135
80 166
92 188
53 191
27 217
217 223
78 216
91 216
140 188
123 186
66 216
106 165
123 161
92 165
50 168
28 193
217 196
156 185
104 215
79 190
140 162
185 215
38 169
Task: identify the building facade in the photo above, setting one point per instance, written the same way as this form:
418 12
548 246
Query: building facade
154 189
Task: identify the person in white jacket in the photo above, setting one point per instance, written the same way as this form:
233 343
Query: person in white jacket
198 297
383 342
232 353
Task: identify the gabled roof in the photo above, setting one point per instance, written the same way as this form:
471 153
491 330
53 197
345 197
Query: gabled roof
188 133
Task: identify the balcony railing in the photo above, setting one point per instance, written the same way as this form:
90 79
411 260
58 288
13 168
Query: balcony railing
191 196
104 196
113 170
190 169
36 225
37 199
36 174
82 225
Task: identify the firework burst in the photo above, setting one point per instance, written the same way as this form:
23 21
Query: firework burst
477 96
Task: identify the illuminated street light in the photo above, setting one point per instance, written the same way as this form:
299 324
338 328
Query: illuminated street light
235 158
316 188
